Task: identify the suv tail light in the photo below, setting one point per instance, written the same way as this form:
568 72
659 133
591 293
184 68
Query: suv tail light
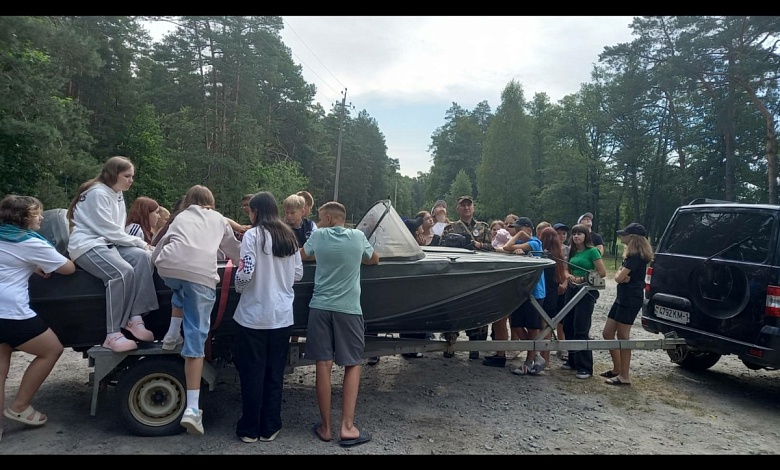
649 277
772 308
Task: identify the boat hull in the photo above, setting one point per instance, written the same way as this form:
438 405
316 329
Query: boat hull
448 290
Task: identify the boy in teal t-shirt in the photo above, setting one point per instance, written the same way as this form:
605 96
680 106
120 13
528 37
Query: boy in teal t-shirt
335 328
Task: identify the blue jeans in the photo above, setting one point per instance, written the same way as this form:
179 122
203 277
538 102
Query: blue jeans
197 301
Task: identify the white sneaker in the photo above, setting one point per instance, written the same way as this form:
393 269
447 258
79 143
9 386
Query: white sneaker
171 342
193 422
269 439
583 374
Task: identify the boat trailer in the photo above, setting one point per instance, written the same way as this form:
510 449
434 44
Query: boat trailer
388 346
149 372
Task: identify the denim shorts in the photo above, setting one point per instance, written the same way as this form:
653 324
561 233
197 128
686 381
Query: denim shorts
197 302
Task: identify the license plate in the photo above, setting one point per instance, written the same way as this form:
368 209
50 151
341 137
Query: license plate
671 314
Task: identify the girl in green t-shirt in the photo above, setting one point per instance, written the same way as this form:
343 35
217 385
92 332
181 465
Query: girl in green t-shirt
583 257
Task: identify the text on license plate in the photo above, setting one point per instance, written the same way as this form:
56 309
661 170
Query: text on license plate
672 314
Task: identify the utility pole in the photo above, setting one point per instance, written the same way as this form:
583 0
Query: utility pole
338 152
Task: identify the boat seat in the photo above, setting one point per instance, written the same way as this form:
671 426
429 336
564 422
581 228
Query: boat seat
55 229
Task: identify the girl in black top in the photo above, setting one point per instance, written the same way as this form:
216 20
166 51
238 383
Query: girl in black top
630 294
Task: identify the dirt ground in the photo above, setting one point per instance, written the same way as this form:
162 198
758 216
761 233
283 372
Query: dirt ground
435 405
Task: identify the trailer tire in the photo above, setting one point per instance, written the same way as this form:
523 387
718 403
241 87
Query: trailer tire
152 396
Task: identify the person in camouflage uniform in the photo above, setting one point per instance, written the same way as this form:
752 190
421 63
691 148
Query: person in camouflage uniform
479 233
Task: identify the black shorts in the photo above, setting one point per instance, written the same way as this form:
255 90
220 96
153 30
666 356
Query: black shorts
550 303
526 316
16 332
623 313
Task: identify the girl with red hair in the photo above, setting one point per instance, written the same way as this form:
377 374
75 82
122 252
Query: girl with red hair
142 218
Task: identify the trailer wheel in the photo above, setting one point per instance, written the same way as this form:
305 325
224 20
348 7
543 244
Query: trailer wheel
152 397
692 360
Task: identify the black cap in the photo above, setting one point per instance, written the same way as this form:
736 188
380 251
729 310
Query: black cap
561 226
633 229
522 222
413 224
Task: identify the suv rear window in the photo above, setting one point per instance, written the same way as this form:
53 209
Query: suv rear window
705 233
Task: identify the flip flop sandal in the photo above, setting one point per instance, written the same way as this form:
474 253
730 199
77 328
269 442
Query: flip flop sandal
537 367
30 416
616 381
364 437
522 370
315 428
608 374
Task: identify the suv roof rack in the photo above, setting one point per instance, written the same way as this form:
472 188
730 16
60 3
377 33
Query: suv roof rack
706 200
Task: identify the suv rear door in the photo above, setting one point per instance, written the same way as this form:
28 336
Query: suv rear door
710 275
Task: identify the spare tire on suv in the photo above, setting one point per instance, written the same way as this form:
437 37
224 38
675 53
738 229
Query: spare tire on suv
715 282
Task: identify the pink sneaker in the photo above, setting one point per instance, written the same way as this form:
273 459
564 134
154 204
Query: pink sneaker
119 344
138 329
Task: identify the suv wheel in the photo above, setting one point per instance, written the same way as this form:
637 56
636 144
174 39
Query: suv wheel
692 360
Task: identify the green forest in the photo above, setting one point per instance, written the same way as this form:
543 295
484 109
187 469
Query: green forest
687 109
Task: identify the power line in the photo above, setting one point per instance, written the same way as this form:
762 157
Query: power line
317 58
312 52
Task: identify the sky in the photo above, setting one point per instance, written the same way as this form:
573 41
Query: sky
407 71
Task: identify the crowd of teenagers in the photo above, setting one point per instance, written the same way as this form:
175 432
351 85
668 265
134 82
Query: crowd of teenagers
577 251
123 248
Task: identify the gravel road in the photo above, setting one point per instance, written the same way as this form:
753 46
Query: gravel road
435 405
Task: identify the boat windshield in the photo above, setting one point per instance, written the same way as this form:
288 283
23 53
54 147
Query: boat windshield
388 234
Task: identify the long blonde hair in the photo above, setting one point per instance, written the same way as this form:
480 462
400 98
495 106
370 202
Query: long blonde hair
638 245
200 196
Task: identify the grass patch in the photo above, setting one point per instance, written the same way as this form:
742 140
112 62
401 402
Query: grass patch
643 395
612 264
612 261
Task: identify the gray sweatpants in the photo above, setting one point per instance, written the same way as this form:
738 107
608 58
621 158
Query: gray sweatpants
127 273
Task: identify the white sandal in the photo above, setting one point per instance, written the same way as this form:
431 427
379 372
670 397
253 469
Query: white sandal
24 416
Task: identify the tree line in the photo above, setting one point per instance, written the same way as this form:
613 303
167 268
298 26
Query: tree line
686 109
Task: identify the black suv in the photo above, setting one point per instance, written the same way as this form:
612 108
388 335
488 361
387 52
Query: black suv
715 281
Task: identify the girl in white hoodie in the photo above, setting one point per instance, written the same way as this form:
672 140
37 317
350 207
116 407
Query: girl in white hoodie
99 245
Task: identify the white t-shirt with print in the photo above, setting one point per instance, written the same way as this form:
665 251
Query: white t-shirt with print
18 262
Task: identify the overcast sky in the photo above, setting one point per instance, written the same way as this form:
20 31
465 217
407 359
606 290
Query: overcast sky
406 71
